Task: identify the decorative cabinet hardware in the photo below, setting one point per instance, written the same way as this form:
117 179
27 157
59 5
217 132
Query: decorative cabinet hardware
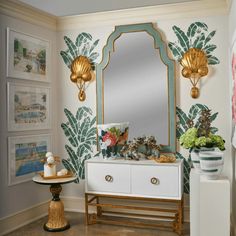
155 180
109 178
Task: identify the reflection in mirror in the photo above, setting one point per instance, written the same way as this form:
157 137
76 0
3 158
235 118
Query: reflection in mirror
136 87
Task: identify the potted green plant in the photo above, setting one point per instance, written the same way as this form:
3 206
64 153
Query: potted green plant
201 141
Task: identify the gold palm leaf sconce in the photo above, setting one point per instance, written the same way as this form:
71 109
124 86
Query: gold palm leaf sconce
81 74
80 59
194 64
193 52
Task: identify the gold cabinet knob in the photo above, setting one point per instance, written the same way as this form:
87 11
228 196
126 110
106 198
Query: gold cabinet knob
108 178
155 180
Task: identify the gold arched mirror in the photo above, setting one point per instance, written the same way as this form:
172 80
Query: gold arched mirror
135 83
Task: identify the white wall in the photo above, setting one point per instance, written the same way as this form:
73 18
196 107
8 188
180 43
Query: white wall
214 88
24 195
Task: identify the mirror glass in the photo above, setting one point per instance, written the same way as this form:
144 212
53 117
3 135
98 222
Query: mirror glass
136 87
136 84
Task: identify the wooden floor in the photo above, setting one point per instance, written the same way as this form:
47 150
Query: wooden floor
78 228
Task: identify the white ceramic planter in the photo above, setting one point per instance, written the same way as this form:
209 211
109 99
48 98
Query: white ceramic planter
211 163
195 159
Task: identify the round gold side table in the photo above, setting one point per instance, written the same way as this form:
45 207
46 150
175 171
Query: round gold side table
56 218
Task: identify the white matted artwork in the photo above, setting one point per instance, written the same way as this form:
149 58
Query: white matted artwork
27 56
24 156
28 107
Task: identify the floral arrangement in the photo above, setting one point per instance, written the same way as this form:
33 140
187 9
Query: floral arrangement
202 136
191 140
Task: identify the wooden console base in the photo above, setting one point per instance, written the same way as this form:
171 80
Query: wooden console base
139 216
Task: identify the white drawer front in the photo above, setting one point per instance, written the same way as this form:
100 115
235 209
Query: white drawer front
167 181
108 178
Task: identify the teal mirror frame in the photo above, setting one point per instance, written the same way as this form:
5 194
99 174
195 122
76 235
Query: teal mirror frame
158 44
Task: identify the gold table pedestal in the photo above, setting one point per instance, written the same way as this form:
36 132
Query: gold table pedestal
56 218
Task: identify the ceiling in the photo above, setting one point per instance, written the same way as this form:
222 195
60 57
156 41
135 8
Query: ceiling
77 7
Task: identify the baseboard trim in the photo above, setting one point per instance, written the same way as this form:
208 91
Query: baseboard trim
21 218
73 204
232 226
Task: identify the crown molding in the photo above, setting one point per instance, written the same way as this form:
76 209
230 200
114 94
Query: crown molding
18 10
148 14
200 8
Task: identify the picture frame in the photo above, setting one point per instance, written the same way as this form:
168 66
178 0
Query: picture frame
24 155
28 56
28 107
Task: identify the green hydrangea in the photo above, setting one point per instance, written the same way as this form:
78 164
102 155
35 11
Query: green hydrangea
218 141
190 140
187 140
203 142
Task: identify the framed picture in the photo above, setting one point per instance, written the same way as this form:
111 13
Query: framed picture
28 107
233 71
24 155
27 57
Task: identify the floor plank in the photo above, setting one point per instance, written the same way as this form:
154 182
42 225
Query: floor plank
78 228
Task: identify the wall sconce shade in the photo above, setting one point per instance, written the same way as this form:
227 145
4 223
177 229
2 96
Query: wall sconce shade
81 72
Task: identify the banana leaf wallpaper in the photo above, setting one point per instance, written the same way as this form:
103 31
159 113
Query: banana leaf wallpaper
83 46
197 36
80 129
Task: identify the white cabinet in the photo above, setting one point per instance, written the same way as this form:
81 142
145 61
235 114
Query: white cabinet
135 178
134 189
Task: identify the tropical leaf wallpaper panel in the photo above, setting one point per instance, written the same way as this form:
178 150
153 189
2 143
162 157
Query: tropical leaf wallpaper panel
80 130
197 36
83 46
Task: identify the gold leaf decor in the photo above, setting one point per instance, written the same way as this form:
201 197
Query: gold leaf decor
80 69
81 72
194 63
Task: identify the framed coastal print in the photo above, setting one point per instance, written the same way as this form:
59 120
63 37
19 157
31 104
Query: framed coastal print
27 57
24 156
28 107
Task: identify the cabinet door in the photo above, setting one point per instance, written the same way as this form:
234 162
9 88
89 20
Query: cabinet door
156 181
113 178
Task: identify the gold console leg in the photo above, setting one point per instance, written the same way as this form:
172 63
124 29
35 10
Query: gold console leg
56 219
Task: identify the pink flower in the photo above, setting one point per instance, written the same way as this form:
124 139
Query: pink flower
234 87
110 139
